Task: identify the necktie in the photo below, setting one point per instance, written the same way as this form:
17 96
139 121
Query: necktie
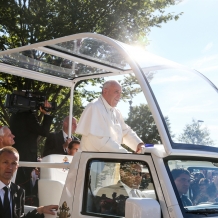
133 193
6 206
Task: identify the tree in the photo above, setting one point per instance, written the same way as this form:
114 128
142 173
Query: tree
24 22
29 21
194 134
142 122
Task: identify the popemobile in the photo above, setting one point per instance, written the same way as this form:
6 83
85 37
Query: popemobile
184 107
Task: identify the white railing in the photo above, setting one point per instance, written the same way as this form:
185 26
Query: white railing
43 164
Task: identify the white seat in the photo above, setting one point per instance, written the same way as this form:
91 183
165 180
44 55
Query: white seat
50 191
52 180
28 208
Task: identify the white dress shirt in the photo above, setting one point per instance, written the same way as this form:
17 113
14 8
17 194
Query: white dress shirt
65 139
133 193
103 129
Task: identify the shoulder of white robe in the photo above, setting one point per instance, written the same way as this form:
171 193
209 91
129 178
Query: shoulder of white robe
91 117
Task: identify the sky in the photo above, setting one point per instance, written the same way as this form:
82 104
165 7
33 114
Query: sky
192 40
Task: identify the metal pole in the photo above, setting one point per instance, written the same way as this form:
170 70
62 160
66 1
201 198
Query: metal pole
71 109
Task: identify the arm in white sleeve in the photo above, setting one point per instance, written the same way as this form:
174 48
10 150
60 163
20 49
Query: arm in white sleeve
101 144
130 137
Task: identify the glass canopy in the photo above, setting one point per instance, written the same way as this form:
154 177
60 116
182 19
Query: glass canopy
178 98
68 59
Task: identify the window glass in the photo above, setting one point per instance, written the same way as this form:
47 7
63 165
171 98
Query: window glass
110 183
196 185
189 105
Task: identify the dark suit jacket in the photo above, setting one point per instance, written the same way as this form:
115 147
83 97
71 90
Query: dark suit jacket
114 198
54 143
26 129
109 190
186 201
119 189
17 195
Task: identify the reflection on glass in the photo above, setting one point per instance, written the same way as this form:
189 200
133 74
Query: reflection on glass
49 64
190 105
94 49
196 183
111 183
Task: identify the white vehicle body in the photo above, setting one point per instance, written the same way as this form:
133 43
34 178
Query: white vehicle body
71 186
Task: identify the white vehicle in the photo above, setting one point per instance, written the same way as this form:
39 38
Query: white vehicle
177 98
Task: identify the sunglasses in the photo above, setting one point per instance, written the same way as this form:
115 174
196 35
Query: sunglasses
136 173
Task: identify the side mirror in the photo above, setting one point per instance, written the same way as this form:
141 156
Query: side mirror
142 208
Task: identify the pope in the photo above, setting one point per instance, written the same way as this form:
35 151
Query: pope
102 126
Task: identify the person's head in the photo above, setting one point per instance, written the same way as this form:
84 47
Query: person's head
35 173
9 159
6 137
73 147
66 124
197 176
182 180
215 178
111 91
203 184
131 173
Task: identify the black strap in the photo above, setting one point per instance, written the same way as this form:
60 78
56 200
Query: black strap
6 205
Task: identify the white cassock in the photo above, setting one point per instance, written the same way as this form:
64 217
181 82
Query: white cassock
103 129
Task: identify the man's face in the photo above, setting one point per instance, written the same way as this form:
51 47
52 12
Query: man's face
112 94
7 139
215 179
74 125
182 183
73 150
66 125
8 165
132 176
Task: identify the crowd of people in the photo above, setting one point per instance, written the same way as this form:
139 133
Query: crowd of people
196 187
101 125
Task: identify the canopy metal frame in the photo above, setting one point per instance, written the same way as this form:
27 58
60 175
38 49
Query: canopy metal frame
109 70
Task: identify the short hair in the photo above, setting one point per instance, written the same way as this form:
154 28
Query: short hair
204 181
9 149
66 119
72 143
177 172
109 83
196 176
125 165
2 130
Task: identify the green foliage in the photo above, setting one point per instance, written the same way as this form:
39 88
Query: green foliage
142 122
28 21
194 134
24 22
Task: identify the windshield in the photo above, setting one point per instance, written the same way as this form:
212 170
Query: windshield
189 105
195 184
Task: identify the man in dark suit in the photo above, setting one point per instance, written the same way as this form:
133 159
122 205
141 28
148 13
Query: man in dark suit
27 129
57 142
182 181
11 195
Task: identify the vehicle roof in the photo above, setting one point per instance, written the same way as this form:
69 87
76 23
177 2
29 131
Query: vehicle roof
65 61
62 60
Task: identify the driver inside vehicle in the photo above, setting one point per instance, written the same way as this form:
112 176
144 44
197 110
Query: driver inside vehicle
181 178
